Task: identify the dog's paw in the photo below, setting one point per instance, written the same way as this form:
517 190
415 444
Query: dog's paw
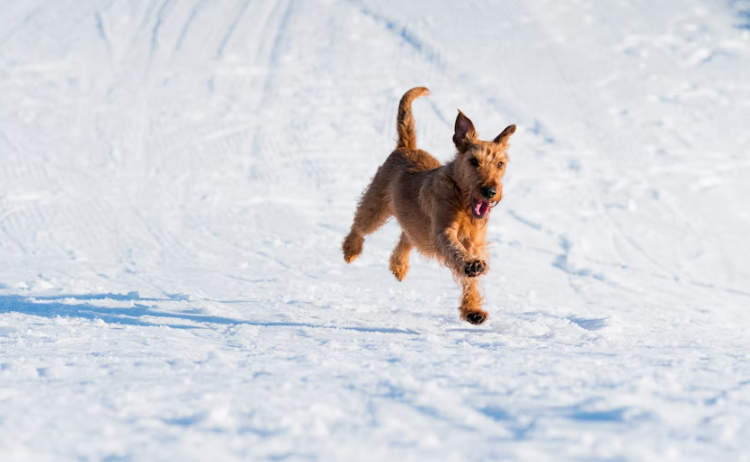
399 270
352 246
475 268
476 318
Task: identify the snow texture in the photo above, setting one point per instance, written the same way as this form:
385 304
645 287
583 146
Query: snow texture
176 178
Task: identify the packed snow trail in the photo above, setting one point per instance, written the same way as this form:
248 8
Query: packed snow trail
176 179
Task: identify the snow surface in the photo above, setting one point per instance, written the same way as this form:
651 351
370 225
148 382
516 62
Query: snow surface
176 178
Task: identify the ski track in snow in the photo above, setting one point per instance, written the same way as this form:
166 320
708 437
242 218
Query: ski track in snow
177 177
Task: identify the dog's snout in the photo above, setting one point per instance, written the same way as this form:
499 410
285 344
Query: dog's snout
488 191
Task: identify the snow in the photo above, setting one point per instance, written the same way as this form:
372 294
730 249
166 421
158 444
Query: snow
176 179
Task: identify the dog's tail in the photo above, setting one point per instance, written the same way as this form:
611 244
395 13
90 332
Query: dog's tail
407 135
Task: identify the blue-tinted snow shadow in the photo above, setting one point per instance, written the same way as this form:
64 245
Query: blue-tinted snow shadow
48 308
472 330
583 412
130 296
518 431
741 8
577 414
590 325
139 314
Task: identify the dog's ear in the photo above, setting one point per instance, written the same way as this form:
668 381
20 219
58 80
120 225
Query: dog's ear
502 138
464 131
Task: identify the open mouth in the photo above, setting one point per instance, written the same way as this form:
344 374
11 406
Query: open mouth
480 208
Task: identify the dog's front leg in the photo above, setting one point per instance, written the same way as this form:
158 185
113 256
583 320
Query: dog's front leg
455 254
471 302
479 252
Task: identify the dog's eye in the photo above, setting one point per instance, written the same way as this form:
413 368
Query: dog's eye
500 165
475 162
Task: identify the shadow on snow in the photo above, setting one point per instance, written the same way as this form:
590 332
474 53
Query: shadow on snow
140 314
741 8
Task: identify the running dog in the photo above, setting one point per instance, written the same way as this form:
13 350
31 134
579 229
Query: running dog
442 209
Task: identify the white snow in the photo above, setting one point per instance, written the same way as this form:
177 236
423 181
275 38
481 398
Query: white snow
176 179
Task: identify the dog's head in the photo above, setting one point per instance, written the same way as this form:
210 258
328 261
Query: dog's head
480 166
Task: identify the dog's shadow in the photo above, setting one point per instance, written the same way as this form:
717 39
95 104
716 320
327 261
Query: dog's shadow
145 312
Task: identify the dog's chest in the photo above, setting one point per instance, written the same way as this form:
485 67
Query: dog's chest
470 232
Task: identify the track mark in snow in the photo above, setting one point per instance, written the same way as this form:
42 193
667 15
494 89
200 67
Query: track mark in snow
157 25
18 27
230 31
404 33
263 254
561 262
525 221
188 23
102 33
436 110
723 289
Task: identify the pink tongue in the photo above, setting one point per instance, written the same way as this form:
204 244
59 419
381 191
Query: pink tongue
484 208
480 208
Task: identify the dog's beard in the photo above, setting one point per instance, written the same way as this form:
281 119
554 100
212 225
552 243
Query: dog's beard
478 209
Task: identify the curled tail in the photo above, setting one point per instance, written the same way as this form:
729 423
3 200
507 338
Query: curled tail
407 135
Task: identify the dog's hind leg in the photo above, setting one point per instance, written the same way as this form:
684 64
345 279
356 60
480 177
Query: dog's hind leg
372 212
400 257
471 302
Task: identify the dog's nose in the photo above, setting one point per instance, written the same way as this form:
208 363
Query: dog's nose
488 192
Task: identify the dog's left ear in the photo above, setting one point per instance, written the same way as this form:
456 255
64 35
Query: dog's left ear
464 131
502 138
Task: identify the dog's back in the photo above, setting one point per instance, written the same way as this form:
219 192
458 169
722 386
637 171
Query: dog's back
408 185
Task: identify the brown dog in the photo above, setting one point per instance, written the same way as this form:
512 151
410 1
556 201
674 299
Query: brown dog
442 209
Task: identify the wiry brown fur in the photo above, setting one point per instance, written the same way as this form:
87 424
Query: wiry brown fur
433 203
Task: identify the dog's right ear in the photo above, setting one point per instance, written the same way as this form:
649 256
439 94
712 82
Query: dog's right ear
502 138
464 132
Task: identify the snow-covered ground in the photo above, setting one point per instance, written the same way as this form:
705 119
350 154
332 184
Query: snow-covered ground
176 178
